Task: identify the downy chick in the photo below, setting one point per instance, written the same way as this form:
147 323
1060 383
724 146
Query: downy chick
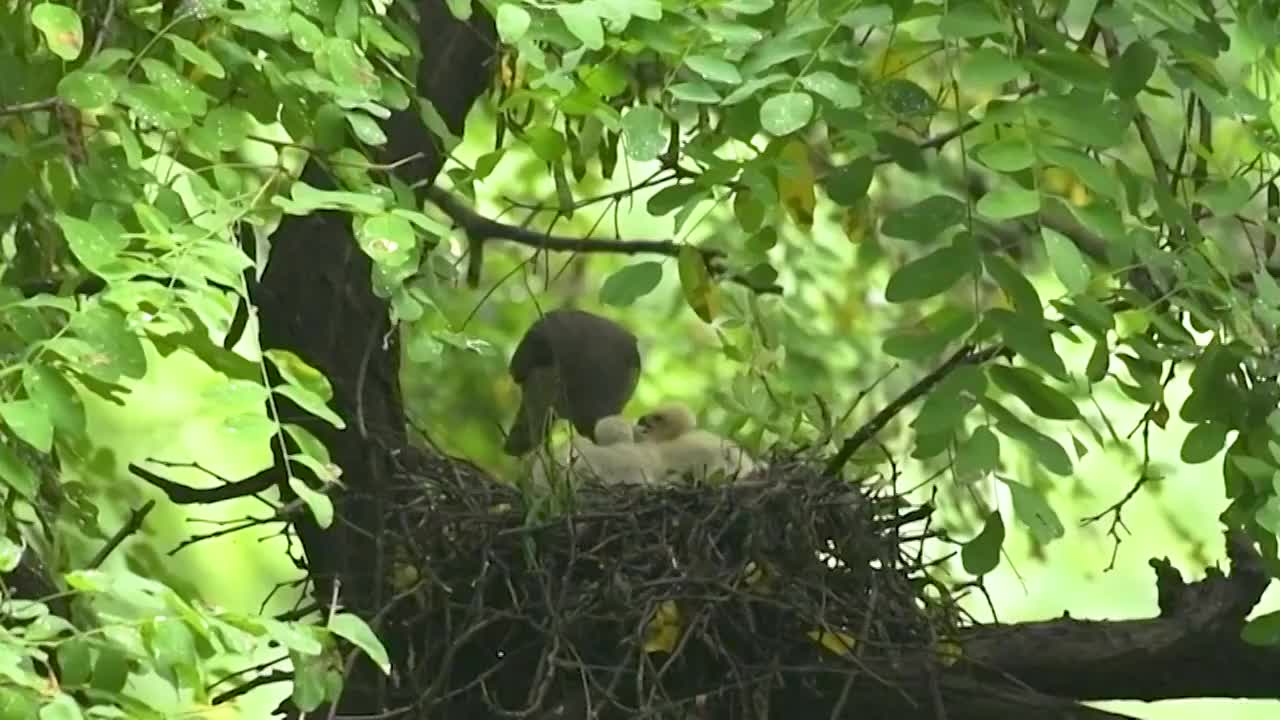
686 449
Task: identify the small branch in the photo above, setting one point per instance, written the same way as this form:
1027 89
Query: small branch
26 107
235 692
937 141
965 356
187 495
481 229
104 29
131 526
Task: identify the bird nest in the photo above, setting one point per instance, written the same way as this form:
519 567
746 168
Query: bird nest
693 601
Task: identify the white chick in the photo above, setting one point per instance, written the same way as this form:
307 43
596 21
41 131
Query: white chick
614 459
685 449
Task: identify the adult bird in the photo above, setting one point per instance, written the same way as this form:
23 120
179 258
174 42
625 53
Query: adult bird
581 366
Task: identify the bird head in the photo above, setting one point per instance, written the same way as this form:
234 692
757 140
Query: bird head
614 429
667 422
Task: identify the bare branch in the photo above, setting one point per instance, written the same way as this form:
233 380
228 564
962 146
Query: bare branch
481 229
965 356
131 526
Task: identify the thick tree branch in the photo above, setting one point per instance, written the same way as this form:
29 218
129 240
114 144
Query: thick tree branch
1192 650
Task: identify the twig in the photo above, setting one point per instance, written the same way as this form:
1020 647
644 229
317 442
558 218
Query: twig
131 526
26 107
965 356
480 229
483 228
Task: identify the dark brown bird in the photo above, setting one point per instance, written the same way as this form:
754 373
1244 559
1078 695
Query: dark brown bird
582 366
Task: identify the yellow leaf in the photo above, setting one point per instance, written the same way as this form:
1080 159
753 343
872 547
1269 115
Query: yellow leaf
695 280
662 633
949 652
857 221
833 640
795 183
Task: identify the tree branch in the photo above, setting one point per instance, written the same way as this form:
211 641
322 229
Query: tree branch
131 526
480 229
187 495
1193 649
964 356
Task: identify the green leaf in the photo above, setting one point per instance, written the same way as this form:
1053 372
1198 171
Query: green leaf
61 707
366 128
10 554
90 246
1090 171
1225 197
55 397
1204 442
1027 386
310 402
696 91
195 55
1081 118
786 113
1031 507
848 184
926 220
642 129
513 22
1129 74
1044 449
1030 339
320 504
87 90
932 335
355 631
171 644
296 371
116 349
583 20
29 422
350 69
1007 155
928 276
75 661
978 455
989 67
841 94
967 20
714 69
631 283
61 28
155 107
1009 201
981 555
389 239
1021 293
16 474
1068 262
908 99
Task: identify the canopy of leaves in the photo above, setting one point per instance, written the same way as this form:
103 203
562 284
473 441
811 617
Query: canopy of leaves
1088 188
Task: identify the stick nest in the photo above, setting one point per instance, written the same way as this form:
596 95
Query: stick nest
690 601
